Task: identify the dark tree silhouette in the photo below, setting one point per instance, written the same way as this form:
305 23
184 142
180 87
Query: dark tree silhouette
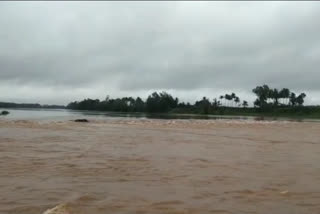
228 97
293 99
262 93
204 105
221 98
245 104
268 100
300 99
284 94
162 102
237 100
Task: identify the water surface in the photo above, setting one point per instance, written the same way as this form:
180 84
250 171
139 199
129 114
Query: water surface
123 166
66 114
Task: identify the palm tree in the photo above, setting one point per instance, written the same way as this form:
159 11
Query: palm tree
245 104
228 97
262 94
237 100
215 103
221 98
233 96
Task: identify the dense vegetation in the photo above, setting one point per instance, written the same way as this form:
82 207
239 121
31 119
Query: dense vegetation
272 102
273 97
269 102
156 102
28 105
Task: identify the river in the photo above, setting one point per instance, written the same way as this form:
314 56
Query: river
120 165
66 114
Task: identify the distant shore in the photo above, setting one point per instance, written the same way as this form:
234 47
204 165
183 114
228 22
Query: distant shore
69 114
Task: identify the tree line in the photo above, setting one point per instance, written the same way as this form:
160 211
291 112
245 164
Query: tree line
156 102
163 102
267 96
29 105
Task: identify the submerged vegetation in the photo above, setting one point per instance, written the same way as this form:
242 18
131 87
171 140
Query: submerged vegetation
269 102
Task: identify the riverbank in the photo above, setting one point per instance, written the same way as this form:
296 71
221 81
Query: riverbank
300 112
159 166
67 114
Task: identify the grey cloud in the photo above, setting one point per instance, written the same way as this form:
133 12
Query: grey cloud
88 48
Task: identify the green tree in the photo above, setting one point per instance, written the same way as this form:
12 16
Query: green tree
263 93
162 102
139 105
245 104
293 99
228 97
233 97
275 95
216 103
237 100
285 94
204 105
221 98
300 99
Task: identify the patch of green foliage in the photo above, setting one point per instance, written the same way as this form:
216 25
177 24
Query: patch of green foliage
269 102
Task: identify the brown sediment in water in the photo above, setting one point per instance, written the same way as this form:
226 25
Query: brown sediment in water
159 166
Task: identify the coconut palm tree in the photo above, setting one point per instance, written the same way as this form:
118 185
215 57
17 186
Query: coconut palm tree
233 96
221 98
245 104
228 97
215 103
237 100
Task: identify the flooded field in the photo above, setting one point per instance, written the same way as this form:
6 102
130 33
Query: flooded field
124 166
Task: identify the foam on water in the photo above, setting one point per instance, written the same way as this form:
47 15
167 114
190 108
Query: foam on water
59 209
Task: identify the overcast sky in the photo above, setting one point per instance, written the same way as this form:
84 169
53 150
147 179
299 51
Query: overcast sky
57 52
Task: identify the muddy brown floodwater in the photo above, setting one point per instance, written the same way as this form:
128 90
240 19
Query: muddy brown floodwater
159 166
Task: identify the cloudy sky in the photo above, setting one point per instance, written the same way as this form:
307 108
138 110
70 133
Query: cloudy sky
56 52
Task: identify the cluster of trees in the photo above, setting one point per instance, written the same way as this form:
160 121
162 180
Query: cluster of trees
232 100
267 97
28 105
164 102
125 104
155 103
269 100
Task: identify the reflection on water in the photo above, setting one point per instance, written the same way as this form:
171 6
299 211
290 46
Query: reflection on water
65 114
